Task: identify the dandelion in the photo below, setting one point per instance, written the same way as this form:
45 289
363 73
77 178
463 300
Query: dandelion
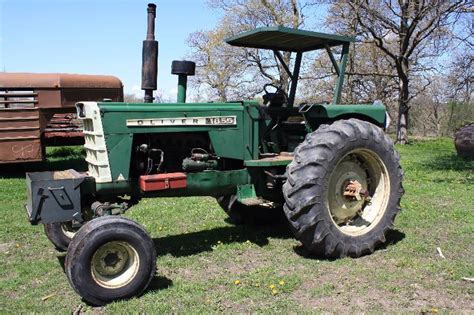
281 282
272 286
274 291
237 282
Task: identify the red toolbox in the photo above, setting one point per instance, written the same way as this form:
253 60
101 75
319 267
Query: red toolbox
162 181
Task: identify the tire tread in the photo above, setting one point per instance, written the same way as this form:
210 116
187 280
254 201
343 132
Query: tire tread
305 182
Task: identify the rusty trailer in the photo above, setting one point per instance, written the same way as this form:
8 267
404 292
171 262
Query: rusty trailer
37 110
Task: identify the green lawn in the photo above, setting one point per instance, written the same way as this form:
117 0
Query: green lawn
207 265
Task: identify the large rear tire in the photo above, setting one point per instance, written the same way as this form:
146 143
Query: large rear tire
241 214
110 258
343 189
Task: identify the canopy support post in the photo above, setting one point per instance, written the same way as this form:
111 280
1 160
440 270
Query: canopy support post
333 59
294 79
340 78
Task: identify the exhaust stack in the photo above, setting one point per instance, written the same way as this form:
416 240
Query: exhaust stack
150 57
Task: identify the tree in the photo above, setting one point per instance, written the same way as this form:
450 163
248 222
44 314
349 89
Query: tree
226 71
370 73
221 75
132 98
461 76
430 109
408 32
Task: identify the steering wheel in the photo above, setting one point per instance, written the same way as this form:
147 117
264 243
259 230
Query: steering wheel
277 98
278 89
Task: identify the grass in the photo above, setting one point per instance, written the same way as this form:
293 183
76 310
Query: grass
207 265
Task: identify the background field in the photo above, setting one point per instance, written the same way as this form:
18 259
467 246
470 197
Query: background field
208 265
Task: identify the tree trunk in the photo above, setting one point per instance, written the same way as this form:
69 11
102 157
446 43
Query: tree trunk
404 94
402 71
221 92
284 78
402 124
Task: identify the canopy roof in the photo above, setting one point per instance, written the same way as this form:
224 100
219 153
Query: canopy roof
286 39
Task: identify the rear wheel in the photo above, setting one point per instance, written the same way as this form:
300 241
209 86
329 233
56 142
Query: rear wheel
241 214
110 258
343 189
60 234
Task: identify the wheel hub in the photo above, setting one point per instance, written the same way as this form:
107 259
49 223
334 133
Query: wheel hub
114 264
358 192
354 190
112 261
344 204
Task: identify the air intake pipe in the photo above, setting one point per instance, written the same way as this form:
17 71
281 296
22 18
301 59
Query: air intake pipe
150 57
183 69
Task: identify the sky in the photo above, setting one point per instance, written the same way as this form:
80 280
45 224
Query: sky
98 37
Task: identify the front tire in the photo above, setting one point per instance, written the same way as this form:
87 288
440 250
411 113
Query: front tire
110 258
343 189
60 234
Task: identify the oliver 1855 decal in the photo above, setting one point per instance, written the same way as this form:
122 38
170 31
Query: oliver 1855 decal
184 121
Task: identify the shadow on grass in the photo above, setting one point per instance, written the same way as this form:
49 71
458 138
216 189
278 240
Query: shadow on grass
203 241
197 242
158 283
448 162
189 244
392 238
62 260
18 170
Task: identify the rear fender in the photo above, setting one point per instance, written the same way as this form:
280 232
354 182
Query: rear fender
314 114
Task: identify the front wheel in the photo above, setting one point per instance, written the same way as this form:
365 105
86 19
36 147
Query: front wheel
343 189
60 234
110 258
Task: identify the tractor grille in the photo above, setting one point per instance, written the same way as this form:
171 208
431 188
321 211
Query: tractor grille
94 142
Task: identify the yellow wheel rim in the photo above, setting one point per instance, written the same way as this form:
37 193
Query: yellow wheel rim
114 264
357 213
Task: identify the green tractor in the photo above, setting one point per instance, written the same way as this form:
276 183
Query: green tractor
329 168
